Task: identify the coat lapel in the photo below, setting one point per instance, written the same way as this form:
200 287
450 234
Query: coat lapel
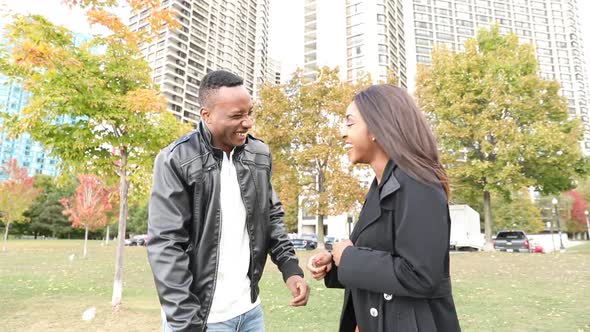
389 187
371 211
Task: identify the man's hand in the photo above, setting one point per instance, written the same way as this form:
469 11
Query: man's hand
319 265
299 289
338 249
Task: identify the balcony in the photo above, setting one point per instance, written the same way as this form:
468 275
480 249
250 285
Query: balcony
176 46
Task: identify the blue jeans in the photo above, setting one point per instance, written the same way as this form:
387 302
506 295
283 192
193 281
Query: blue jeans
251 321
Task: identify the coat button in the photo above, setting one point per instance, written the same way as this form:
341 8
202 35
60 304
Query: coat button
374 312
387 297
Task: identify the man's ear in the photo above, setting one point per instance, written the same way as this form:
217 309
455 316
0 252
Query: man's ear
206 115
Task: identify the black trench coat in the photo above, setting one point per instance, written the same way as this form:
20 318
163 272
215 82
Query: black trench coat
396 275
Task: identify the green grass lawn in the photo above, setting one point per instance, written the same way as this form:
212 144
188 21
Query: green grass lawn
42 290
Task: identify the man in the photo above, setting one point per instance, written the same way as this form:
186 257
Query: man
214 217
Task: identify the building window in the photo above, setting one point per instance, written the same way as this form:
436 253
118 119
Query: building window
423 33
442 4
444 28
445 12
423 59
423 17
423 42
483 19
423 25
423 50
501 13
464 31
445 36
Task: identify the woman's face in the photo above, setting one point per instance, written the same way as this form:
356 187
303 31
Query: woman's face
359 144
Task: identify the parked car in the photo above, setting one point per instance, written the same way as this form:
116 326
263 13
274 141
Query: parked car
512 241
329 242
137 240
311 237
302 244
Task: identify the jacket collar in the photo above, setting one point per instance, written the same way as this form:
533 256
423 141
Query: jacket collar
208 140
371 210
389 183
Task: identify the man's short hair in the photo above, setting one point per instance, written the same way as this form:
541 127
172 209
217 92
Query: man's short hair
215 80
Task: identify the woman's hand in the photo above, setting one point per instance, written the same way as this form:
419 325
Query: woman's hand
338 249
319 265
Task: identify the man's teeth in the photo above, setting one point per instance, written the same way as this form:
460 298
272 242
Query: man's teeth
242 134
348 146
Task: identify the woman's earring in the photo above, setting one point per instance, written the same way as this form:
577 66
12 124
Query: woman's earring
373 139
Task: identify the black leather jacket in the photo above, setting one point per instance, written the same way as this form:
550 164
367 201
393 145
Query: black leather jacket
184 224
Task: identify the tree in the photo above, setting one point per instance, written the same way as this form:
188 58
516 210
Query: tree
301 123
518 211
104 85
501 127
112 214
577 222
103 12
583 188
271 125
16 195
138 217
88 207
45 214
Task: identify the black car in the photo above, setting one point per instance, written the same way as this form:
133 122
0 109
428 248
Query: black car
302 244
512 241
137 240
329 242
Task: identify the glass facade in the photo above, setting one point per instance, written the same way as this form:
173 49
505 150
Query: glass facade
28 153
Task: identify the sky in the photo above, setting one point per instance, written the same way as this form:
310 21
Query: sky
54 10
285 32
285 37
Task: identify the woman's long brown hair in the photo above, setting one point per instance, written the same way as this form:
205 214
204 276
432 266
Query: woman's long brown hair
403 132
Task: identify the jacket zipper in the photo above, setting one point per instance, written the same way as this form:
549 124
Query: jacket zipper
217 260
250 237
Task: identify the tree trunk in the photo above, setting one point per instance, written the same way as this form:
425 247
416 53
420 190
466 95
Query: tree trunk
85 241
108 234
320 232
123 187
487 208
5 235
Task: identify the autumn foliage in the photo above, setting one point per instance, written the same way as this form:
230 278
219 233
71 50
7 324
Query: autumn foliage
579 206
101 12
90 203
16 195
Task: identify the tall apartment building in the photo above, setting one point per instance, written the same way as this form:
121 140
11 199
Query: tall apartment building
28 153
324 36
360 36
213 34
273 72
552 26
375 39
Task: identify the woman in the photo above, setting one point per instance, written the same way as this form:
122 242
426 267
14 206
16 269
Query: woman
395 267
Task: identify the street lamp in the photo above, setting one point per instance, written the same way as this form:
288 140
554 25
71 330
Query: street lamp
554 201
550 226
349 222
587 224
